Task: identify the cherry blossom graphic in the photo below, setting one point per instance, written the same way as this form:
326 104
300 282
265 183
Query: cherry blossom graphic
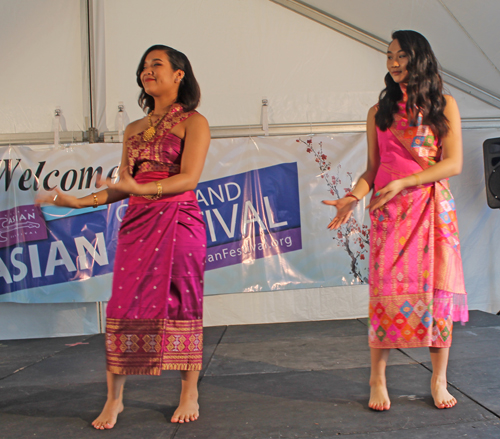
353 237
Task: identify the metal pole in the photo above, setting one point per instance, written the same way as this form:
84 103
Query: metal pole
93 134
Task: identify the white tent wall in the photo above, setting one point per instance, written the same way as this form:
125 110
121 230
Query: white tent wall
37 320
453 27
479 225
42 65
241 52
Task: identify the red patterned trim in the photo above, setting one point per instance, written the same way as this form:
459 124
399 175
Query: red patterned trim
408 321
148 346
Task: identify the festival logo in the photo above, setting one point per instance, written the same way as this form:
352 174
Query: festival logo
43 247
251 215
76 248
21 224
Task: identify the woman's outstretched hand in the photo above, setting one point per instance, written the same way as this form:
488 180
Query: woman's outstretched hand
344 206
386 194
57 198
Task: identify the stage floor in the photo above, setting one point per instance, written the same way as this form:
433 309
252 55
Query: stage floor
291 380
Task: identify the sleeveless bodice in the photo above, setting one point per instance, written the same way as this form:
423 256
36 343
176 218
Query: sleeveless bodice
161 154
395 160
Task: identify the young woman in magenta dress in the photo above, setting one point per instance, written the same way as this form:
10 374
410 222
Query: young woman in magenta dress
154 316
416 279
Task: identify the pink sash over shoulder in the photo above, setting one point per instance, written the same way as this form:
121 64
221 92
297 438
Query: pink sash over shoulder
416 278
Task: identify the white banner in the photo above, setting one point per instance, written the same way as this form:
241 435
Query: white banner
326 167
261 200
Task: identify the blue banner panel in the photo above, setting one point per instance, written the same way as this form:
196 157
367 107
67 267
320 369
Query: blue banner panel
76 248
251 215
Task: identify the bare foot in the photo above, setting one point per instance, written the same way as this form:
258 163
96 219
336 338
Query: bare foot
442 398
109 414
379 397
188 409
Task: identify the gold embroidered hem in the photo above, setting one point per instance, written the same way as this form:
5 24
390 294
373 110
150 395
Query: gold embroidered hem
148 346
152 371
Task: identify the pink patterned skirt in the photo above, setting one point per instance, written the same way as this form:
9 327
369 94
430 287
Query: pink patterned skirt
408 308
405 310
154 316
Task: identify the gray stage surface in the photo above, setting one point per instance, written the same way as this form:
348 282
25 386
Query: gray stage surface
292 380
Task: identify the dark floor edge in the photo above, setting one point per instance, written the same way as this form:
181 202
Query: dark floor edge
405 429
363 321
172 436
275 372
45 358
202 374
453 385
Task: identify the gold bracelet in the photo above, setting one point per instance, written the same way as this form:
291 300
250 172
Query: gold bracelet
159 192
417 177
96 201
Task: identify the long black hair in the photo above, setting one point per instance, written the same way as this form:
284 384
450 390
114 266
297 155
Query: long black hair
424 89
189 91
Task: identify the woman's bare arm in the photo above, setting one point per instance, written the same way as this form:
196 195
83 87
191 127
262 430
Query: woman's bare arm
105 196
346 205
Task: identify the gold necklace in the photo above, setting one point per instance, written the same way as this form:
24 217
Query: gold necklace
151 131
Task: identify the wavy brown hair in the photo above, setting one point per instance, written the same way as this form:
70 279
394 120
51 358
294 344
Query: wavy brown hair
189 91
424 89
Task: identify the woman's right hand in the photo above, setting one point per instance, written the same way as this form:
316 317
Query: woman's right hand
344 206
57 198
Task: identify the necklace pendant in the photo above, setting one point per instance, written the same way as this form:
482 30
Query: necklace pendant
149 134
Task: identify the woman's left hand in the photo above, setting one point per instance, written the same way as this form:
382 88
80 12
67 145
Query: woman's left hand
126 184
386 194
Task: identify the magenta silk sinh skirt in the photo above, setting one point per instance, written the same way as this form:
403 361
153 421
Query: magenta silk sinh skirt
154 317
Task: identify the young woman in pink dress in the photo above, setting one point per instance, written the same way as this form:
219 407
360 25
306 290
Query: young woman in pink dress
416 279
154 316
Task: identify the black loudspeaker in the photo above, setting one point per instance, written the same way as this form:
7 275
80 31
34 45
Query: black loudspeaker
491 152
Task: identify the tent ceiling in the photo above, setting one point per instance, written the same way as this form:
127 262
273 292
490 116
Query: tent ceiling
309 73
456 29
